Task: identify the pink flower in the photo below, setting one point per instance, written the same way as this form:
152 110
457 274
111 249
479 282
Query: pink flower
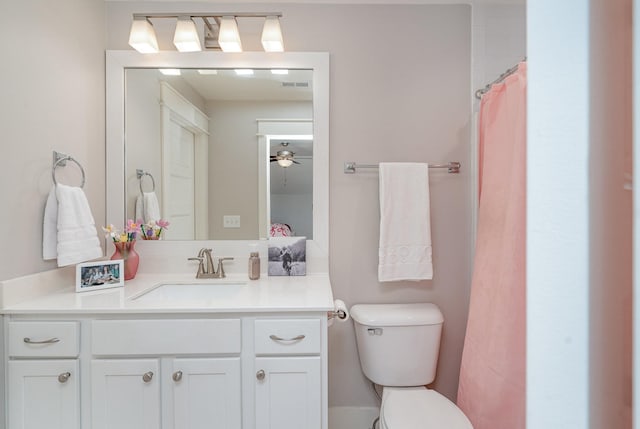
132 226
162 223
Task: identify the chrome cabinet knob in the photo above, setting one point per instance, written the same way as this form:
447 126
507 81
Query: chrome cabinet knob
147 376
62 378
177 376
260 375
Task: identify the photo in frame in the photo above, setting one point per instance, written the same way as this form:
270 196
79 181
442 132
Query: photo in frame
287 256
99 275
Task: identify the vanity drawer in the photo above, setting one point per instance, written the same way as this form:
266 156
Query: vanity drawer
287 336
43 339
158 337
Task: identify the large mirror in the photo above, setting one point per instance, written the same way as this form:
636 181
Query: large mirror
193 149
225 147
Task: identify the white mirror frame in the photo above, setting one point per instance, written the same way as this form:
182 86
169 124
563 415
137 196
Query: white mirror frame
118 61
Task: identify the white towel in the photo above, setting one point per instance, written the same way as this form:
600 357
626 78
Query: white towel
50 227
405 226
147 207
69 231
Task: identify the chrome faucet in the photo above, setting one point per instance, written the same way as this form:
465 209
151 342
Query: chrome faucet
206 270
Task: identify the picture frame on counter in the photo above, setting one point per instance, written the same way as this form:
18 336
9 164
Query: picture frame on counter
287 256
99 275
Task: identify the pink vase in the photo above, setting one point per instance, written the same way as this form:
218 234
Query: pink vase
127 252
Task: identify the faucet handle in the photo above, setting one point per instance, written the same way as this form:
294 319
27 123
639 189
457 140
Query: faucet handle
220 273
200 259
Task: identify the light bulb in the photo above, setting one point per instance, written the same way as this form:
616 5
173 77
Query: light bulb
285 162
186 36
142 38
229 37
272 35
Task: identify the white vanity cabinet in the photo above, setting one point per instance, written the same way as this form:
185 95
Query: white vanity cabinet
288 373
167 371
44 394
181 392
43 375
125 394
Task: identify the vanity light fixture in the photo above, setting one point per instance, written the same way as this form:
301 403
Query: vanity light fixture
220 31
279 71
272 35
244 72
142 37
186 36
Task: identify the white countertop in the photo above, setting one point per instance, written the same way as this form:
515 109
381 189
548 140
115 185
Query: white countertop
54 293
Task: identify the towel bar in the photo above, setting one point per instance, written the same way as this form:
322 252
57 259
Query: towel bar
350 167
140 174
60 160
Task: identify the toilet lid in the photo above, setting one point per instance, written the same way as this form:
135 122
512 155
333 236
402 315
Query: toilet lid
422 409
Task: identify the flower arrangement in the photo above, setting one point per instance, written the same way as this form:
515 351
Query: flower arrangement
152 230
147 231
129 234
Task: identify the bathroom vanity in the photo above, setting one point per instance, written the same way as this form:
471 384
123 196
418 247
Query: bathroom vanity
169 351
253 357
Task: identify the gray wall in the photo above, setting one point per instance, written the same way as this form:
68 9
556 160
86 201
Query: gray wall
52 99
233 161
397 94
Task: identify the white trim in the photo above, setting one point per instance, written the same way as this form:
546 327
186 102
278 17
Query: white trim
558 320
176 108
269 129
636 214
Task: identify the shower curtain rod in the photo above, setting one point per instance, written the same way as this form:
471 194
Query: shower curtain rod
503 76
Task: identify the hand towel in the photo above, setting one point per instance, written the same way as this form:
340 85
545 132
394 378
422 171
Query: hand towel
148 207
76 238
405 226
50 227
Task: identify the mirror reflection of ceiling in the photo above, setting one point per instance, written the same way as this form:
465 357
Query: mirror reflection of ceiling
226 84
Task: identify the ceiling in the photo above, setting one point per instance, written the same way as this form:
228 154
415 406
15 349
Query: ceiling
225 84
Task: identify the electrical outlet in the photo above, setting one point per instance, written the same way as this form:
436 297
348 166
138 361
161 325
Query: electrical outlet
231 221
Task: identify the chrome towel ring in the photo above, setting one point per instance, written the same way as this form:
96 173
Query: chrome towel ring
140 174
60 160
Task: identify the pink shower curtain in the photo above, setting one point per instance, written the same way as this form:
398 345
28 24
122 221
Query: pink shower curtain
491 391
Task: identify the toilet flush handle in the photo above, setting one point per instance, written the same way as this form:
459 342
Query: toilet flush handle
375 331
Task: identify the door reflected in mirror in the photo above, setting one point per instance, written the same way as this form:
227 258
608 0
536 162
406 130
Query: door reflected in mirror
196 134
291 187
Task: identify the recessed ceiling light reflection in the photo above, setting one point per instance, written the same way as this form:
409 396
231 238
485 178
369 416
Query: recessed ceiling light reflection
170 72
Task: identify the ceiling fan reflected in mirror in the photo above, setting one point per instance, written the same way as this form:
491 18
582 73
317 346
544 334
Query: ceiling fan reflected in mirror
283 157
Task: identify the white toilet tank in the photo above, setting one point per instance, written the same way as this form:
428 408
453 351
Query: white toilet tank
398 344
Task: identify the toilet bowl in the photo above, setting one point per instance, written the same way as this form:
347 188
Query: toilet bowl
419 408
398 346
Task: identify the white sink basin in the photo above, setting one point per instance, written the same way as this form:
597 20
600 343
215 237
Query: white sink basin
176 292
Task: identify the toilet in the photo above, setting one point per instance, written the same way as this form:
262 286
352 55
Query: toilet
398 346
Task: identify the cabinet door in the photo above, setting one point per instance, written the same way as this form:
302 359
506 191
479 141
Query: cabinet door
43 394
125 394
288 393
206 393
